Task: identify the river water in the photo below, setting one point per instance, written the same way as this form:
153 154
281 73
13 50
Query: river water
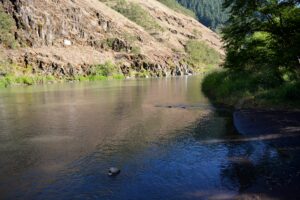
58 141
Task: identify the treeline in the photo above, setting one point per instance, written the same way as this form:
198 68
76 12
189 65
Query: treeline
209 12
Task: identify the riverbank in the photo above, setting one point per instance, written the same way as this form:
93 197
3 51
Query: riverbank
13 75
245 90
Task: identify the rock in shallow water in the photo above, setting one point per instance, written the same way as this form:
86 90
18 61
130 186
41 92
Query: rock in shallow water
113 171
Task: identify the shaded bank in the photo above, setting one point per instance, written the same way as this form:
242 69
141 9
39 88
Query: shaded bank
264 114
251 90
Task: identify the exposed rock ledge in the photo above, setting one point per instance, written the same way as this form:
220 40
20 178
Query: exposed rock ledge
76 60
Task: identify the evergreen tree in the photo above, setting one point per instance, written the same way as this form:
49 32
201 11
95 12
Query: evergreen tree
209 12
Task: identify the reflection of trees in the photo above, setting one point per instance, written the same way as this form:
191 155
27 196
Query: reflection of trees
254 162
217 124
240 169
218 128
258 165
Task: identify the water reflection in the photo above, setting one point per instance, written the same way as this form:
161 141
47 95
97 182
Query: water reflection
57 142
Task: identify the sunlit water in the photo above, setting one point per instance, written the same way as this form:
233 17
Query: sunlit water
57 142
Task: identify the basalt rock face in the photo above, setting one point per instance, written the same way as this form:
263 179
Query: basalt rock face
67 37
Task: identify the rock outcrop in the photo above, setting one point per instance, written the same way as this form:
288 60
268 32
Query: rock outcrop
66 37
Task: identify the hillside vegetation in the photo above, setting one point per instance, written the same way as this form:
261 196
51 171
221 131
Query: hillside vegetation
7 28
135 13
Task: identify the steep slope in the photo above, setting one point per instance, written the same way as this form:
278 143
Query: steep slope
67 37
180 28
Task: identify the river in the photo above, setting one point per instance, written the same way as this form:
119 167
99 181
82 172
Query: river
58 141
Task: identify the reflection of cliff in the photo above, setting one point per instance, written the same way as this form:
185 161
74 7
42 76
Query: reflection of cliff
45 128
137 121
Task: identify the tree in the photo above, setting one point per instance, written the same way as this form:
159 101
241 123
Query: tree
263 35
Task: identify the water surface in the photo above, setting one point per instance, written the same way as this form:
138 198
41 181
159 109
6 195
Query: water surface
57 142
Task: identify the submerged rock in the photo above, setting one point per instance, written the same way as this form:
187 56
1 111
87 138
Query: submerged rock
113 171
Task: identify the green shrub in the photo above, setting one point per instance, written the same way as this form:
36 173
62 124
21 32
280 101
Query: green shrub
50 78
28 80
81 78
97 78
118 76
3 82
106 69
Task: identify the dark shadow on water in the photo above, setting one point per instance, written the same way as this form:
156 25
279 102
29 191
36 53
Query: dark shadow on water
186 166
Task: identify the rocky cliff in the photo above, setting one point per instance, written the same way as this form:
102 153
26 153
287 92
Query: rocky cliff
67 37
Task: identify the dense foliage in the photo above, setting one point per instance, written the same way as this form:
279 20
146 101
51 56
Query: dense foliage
262 42
264 36
209 12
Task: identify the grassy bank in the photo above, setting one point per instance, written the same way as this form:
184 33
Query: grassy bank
12 75
260 90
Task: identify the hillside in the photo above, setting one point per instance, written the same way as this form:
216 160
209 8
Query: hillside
67 38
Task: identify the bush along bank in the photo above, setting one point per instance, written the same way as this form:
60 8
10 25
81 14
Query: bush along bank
251 90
